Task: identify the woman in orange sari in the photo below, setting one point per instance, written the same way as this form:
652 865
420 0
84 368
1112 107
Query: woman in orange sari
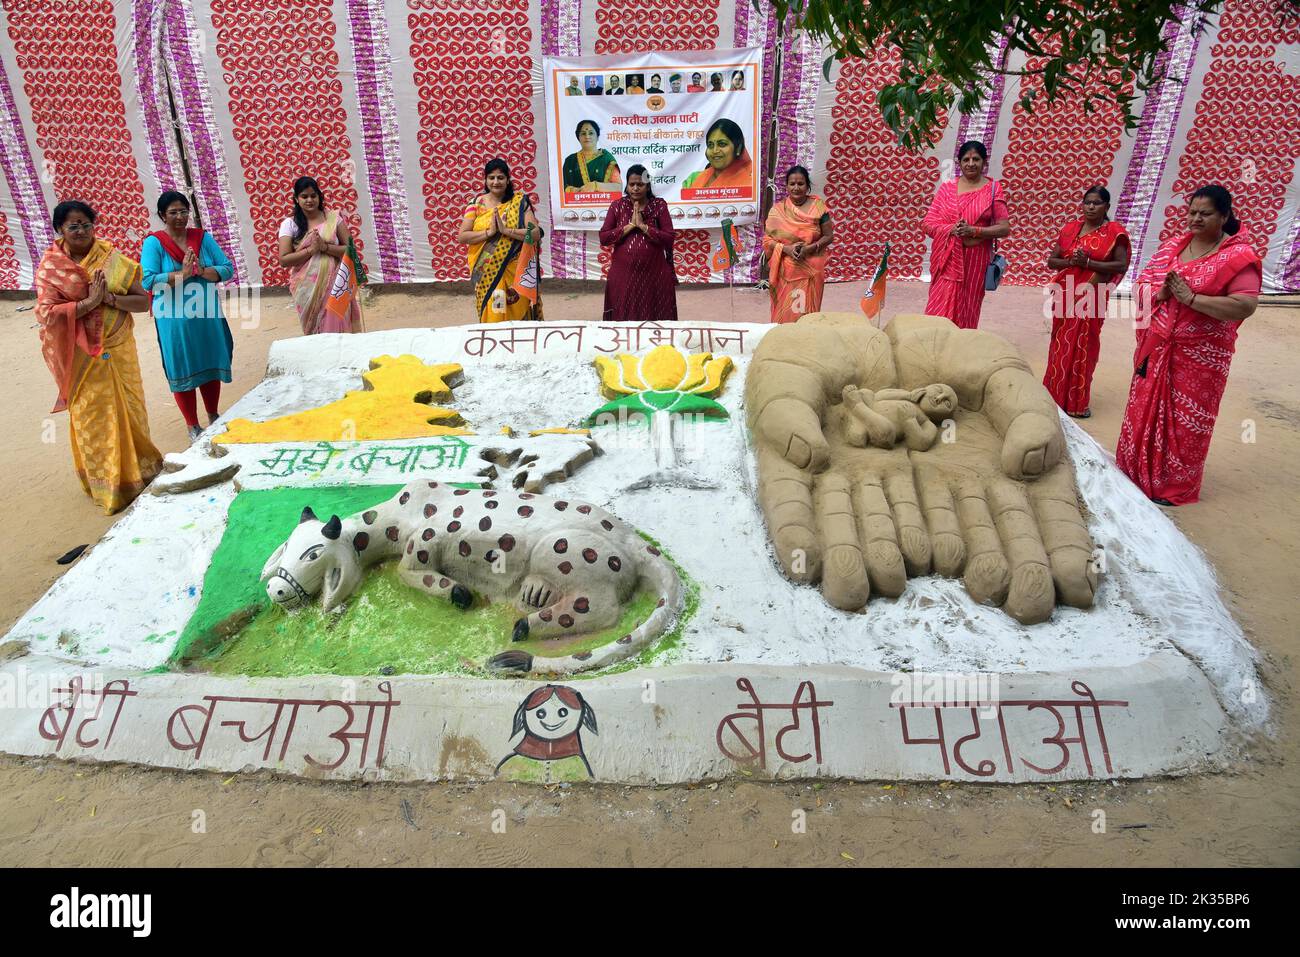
797 232
501 233
1090 256
85 293
729 163
317 249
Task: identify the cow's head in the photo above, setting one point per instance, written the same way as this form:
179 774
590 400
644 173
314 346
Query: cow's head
314 561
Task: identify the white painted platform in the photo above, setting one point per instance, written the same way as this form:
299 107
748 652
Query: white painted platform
1160 639
654 726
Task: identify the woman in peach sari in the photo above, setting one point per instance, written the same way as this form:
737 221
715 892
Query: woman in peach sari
318 250
729 162
85 293
795 238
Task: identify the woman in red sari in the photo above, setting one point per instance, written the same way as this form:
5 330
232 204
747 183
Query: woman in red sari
1195 292
967 214
1091 255
641 286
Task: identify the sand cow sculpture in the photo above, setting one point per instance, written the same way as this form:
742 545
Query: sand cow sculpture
570 568
993 501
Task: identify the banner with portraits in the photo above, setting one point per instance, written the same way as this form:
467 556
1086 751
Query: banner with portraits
689 118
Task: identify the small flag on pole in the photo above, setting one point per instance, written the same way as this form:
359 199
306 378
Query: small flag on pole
526 272
728 252
873 300
358 269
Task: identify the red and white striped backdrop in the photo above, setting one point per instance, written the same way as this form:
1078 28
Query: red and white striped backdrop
395 105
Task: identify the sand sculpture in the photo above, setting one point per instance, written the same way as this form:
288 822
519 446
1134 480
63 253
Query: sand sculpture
570 568
883 418
994 502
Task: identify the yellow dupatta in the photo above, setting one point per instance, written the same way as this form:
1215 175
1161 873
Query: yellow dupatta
492 263
95 362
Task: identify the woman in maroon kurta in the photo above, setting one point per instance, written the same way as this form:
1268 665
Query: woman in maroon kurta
641 286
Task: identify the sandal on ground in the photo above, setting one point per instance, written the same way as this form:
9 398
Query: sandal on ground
1085 414
69 557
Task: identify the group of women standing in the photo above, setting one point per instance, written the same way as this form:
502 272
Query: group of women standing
86 291
1189 301
1191 297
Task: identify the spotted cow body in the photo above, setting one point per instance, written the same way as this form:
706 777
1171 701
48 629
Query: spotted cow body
570 568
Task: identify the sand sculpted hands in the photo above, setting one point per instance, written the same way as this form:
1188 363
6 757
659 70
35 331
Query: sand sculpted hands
889 454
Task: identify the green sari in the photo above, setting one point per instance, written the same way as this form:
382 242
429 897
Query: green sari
602 168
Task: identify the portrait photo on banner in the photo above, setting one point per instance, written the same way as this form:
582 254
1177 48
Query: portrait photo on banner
697 141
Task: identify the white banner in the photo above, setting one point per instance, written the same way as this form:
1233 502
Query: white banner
690 118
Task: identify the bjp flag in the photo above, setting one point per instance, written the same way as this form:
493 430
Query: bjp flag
528 271
728 252
873 300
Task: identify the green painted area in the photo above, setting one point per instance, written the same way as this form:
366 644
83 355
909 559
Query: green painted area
258 521
386 628
636 409
526 770
389 625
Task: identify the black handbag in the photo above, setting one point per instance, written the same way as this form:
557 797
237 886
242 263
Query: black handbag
998 264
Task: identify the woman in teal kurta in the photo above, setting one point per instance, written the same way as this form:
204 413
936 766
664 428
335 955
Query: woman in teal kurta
181 268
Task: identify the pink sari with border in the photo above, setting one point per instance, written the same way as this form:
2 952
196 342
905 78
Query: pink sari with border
1080 298
1180 372
957 270
324 289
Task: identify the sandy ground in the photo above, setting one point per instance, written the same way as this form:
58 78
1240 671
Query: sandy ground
57 813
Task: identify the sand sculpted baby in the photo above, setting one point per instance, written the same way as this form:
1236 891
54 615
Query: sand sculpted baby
881 418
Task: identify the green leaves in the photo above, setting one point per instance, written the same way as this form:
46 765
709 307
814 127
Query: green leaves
1101 51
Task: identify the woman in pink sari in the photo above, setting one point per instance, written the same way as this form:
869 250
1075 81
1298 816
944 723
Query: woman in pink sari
317 249
795 238
1194 293
967 214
